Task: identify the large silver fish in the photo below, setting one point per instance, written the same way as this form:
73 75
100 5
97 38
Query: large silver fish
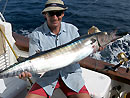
61 56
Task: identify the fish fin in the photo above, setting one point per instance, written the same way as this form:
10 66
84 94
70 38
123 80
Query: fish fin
1 70
93 29
20 59
41 74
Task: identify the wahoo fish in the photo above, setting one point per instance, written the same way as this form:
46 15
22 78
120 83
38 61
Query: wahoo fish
61 56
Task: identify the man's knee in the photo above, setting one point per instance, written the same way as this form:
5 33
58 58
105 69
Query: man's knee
81 95
34 96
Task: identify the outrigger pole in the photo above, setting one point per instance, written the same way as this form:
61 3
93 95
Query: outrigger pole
17 58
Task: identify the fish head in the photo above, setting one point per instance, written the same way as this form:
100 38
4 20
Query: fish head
104 38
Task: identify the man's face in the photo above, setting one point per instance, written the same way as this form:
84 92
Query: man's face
54 18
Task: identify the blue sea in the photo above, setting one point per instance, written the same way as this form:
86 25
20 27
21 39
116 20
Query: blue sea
25 15
107 15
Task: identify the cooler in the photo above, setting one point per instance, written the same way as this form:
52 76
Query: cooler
97 84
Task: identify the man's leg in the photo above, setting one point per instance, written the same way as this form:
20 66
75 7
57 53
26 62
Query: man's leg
34 96
83 93
37 92
80 95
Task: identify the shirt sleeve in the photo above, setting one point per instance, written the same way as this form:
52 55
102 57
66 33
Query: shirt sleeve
33 43
75 32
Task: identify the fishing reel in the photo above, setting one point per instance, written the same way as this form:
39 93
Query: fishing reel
124 60
122 57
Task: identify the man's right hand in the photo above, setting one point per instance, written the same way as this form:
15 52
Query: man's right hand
25 75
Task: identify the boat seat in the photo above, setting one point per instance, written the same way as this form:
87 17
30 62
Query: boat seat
13 88
22 42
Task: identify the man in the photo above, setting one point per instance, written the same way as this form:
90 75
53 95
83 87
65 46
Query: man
51 34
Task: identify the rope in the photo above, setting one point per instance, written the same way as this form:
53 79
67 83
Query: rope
2 17
9 44
4 7
81 9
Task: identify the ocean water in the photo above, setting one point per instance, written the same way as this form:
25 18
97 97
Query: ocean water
107 15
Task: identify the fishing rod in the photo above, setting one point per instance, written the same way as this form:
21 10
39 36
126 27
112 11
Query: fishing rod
123 60
19 59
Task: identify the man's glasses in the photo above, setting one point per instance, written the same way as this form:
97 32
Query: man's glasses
57 13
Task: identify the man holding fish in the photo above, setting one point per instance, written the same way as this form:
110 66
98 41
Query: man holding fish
51 34
55 48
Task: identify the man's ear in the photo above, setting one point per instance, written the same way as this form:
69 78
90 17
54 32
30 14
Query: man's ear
63 13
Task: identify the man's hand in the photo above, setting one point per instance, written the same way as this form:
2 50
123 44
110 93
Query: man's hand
92 30
24 75
101 48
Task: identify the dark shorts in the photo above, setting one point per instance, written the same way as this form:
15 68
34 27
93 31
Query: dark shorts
37 89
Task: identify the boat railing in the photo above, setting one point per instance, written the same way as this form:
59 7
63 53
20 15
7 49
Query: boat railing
10 87
2 17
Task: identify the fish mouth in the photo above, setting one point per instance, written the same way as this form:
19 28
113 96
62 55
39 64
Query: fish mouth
120 35
117 35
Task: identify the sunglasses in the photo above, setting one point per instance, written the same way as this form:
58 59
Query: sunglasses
57 13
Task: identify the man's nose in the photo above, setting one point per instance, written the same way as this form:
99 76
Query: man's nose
54 16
